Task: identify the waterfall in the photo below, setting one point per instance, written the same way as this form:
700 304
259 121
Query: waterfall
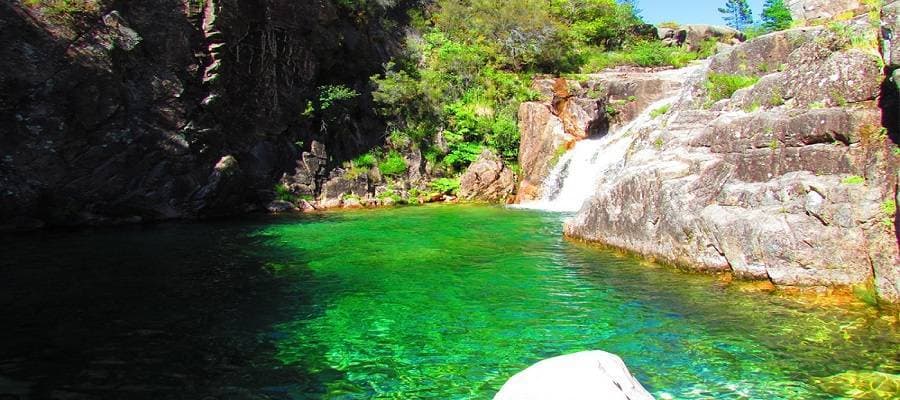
575 177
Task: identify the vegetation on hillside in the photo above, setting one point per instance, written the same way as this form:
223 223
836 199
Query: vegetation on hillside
457 89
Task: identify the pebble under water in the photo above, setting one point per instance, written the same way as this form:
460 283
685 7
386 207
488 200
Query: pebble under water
435 302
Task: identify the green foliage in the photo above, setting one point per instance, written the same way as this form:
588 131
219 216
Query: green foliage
456 89
604 23
660 111
776 16
643 53
393 164
737 14
853 180
520 34
723 86
284 193
445 185
329 95
63 8
889 208
367 160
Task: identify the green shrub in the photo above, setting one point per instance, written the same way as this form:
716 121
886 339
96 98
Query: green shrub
284 193
854 180
367 161
889 208
393 165
445 185
723 86
329 95
660 111
657 54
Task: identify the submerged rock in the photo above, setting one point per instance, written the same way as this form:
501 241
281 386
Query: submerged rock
279 206
588 375
862 385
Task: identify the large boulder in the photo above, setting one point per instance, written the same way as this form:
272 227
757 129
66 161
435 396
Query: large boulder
693 36
487 179
588 375
697 34
808 10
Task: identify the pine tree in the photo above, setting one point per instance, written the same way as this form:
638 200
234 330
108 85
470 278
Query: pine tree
737 14
776 16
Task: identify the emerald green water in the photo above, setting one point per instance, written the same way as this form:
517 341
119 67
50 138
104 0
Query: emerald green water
449 302
436 302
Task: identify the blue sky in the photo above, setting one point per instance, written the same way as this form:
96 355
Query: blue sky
688 11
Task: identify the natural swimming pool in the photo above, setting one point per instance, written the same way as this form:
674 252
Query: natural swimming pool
440 302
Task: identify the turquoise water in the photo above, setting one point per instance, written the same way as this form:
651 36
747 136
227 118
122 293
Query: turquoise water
448 302
436 302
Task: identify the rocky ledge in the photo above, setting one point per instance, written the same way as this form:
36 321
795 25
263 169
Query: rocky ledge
791 180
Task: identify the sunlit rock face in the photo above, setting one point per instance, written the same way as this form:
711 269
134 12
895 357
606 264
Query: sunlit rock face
487 179
123 115
789 180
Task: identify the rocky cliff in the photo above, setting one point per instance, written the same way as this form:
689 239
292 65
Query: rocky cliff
129 111
791 180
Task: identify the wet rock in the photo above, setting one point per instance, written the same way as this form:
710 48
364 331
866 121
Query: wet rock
280 206
579 376
542 136
487 179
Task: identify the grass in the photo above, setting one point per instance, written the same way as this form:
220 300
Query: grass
889 208
59 8
854 180
723 86
643 54
660 111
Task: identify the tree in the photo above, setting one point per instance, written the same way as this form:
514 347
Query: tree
737 14
776 16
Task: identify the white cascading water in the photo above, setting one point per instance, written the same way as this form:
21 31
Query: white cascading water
574 178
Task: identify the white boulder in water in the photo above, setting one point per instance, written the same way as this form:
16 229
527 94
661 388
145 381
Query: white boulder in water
589 375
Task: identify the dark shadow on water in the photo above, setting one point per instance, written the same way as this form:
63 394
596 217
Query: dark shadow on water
172 311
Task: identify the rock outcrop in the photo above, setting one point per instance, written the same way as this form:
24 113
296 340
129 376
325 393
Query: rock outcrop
811 10
791 180
122 112
487 179
601 102
693 37
580 376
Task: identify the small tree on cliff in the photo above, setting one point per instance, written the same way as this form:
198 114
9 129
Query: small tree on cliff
776 16
737 14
